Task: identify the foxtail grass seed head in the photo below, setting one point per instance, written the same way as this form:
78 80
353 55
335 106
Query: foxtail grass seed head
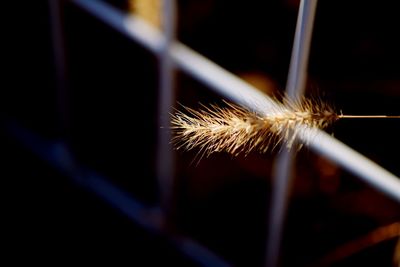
235 130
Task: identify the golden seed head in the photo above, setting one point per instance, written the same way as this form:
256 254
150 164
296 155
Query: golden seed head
235 130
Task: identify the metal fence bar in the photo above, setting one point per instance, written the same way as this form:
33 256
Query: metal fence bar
297 77
282 176
235 89
165 164
284 167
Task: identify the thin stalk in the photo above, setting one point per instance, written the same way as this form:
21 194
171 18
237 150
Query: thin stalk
367 117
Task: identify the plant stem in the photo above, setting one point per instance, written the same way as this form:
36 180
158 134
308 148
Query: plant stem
367 117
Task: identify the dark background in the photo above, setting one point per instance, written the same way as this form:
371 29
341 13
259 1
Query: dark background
222 201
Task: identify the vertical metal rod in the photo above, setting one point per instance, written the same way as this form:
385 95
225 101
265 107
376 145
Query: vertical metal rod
57 33
284 164
165 155
282 177
297 76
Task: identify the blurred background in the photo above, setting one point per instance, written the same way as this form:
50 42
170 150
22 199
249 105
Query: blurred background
109 117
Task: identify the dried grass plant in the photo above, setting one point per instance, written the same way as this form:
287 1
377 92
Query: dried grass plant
235 129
